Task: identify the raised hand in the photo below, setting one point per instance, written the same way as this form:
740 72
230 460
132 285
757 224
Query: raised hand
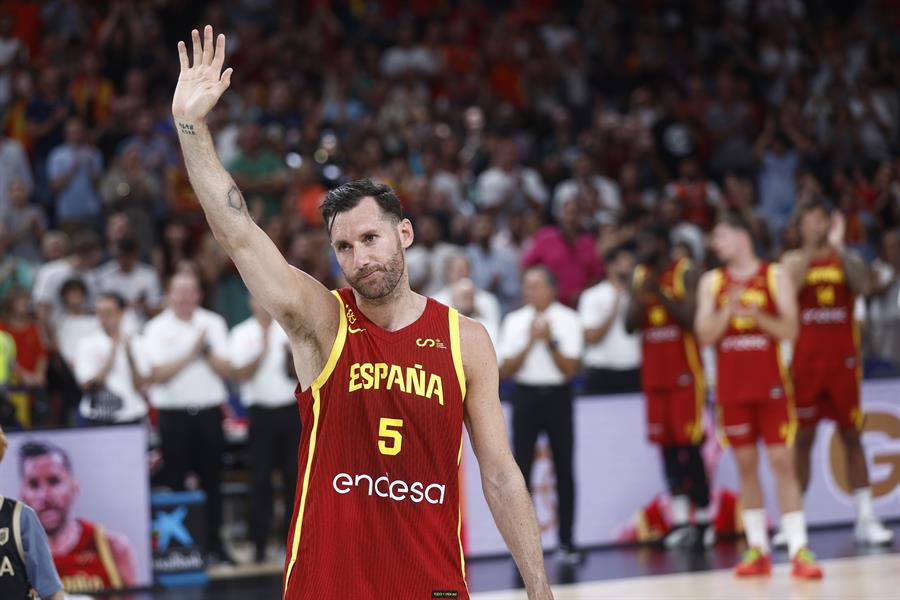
200 86
837 231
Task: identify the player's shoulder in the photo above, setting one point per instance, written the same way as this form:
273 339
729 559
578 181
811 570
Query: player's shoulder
474 340
711 278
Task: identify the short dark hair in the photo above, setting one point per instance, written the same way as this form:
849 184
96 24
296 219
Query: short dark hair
34 449
117 298
619 249
817 203
127 245
349 195
549 275
736 219
75 283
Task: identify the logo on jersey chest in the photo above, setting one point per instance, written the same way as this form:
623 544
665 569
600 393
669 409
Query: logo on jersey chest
825 274
412 380
4 536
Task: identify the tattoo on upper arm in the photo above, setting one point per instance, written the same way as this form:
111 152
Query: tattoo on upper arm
186 128
235 200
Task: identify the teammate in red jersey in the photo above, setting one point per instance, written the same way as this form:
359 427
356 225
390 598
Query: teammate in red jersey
663 307
746 308
827 364
387 378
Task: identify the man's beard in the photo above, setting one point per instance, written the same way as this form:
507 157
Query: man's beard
380 289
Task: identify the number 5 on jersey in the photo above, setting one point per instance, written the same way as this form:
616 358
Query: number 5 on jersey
388 428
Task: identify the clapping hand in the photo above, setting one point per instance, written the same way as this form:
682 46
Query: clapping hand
837 231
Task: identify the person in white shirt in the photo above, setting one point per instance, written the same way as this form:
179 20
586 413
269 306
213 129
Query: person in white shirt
462 294
187 350
612 358
427 258
600 194
540 349
110 369
262 363
133 280
507 187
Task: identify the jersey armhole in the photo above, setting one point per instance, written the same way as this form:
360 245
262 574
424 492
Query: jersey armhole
456 350
715 284
17 531
336 348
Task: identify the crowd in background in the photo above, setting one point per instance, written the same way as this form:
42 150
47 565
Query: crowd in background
515 133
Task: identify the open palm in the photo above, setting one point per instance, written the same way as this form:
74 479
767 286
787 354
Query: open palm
200 86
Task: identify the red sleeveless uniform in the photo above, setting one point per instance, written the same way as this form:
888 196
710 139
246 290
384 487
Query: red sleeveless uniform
378 511
754 394
89 566
826 366
672 373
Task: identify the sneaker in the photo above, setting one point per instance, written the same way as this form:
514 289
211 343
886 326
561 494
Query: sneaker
708 535
804 566
681 536
569 555
870 532
753 563
779 540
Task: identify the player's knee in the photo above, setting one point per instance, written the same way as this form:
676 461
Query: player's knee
781 463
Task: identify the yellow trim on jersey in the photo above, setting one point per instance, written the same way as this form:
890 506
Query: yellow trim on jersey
715 284
456 350
106 557
720 429
640 272
788 386
462 555
678 277
772 282
690 351
336 350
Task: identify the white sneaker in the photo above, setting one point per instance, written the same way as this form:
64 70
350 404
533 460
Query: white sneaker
779 540
709 536
870 532
682 536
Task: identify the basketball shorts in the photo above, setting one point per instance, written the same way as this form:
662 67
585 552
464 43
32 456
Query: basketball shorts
675 415
828 394
744 423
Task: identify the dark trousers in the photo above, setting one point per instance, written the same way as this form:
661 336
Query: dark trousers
547 409
193 440
611 381
273 441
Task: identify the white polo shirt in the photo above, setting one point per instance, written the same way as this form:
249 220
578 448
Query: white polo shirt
91 355
618 350
539 368
486 304
168 338
270 386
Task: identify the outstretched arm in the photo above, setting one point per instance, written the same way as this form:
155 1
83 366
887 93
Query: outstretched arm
291 296
504 487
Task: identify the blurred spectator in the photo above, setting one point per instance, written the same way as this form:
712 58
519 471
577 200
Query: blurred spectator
729 120
681 231
24 224
612 356
46 114
698 196
175 249
426 260
110 369
49 279
14 167
567 252
129 187
494 268
540 349
407 57
135 282
508 187
884 302
74 169
92 96
597 195
187 352
262 363
306 193
31 354
155 151
12 54
14 272
462 294
75 322
309 251
259 172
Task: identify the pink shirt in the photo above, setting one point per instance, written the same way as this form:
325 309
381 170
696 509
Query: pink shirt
575 265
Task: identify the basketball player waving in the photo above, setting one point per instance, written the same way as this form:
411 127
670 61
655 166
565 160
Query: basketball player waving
386 379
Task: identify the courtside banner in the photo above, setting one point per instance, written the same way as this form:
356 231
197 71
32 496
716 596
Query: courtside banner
620 489
94 482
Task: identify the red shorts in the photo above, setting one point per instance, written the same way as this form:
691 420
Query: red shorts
675 415
744 423
830 394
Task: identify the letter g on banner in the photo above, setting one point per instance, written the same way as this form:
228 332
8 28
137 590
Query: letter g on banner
881 424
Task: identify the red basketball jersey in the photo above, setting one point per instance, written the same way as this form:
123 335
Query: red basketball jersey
670 355
378 503
748 360
89 566
828 335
